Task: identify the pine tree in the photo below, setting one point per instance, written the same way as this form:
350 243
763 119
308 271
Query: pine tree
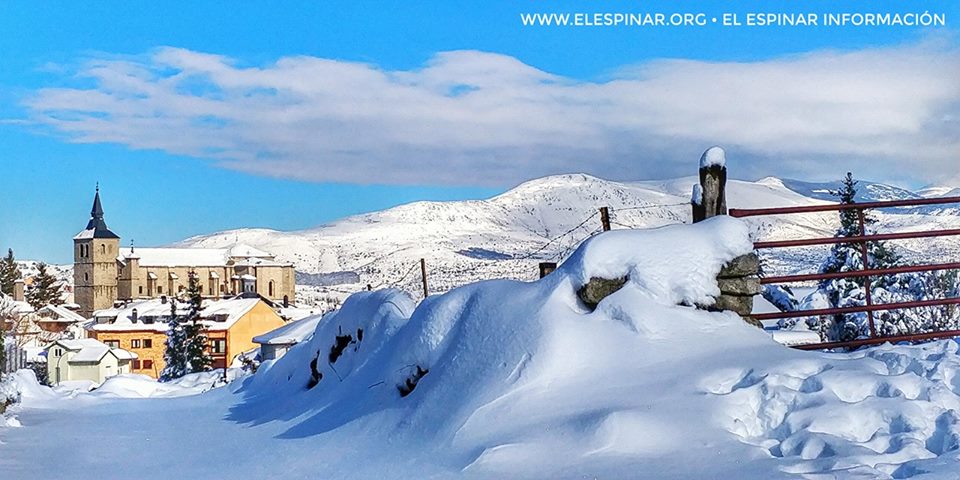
9 273
45 290
847 257
186 347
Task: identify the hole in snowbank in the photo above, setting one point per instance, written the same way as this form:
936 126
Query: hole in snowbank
315 374
339 345
411 382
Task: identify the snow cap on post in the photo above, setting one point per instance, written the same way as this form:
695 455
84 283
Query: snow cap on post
713 156
713 185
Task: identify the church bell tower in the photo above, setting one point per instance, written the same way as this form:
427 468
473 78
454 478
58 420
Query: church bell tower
95 252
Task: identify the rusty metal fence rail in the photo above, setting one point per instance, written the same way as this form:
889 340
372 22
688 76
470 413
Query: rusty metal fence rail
866 273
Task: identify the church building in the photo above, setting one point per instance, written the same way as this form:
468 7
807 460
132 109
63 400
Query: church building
104 273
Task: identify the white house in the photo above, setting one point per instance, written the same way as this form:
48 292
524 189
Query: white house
275 343
86 359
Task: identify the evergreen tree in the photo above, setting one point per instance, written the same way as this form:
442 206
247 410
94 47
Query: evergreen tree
45 289
847 257
9 273
186 347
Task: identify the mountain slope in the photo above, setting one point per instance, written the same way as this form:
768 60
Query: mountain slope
542 220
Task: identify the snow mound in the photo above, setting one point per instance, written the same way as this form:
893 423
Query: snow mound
882 412
133 385
497 376
714 156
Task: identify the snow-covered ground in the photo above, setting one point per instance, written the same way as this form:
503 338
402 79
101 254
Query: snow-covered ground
509 379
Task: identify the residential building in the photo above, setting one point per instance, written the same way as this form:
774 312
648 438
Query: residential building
275 343
105 273
141 327
85 359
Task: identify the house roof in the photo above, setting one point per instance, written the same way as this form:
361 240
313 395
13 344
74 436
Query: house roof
89 350
179 257
291 333
199 257
122 319
60 314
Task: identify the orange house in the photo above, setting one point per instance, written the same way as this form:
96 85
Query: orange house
141 327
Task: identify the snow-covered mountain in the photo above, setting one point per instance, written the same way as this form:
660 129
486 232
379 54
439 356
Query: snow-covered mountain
542 220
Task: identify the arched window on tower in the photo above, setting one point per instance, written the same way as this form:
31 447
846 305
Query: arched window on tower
103 248
270 289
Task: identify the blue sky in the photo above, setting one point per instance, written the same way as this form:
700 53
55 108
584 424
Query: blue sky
162 183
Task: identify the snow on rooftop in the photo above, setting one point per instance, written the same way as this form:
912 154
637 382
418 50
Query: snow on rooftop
180 257
154 314
197 257
291 333
713 156
61 314
85 234
89 350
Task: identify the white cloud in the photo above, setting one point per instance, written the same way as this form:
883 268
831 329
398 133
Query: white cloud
475 118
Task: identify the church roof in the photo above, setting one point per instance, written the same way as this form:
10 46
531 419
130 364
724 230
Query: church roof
200 257
179 257
97 226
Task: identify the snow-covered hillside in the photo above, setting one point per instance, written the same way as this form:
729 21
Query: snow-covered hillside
543 220
506 379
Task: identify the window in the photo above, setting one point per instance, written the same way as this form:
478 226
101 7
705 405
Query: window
58 352
135 343
147 364
103 248
112 343
86 277
218 345
136 364
141 289
270 289
159 288
147 343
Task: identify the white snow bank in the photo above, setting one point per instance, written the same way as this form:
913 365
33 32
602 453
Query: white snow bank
713 156
795 337
672 265
132 385
521 379
889 411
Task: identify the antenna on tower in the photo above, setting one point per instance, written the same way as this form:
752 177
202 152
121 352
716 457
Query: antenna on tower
131 245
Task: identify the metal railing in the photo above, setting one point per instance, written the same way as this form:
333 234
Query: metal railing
866 273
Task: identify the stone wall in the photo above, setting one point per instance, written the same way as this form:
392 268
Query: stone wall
739 282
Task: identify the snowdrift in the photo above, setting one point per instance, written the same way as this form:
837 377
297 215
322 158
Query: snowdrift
521 379
504 376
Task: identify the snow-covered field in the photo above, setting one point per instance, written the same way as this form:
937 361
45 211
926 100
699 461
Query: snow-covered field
509 379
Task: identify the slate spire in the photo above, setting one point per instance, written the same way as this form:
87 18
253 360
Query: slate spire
97 226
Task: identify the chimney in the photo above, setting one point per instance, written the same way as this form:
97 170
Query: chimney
18 290
134 315
163 299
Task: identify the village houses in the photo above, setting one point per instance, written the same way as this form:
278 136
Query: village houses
141 327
